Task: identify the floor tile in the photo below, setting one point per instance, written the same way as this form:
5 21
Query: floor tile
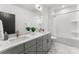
60 48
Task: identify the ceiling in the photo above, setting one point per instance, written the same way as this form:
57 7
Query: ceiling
27 6
56 6
49 6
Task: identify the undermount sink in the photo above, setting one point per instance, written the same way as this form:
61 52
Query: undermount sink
15 39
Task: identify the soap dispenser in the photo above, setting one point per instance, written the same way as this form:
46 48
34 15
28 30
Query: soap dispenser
5 36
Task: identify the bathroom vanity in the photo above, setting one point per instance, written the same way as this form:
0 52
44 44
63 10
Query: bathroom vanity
37 43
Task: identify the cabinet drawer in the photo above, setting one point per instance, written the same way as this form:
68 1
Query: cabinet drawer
31 43
39 43
14 50
31 50
39 39
39 48
26 50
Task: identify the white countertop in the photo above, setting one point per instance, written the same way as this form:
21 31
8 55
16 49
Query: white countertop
14 41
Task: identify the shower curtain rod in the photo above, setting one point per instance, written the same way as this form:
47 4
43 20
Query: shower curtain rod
68 12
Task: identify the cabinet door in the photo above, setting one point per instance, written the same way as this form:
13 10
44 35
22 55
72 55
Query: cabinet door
31 43
25 48
14 50
45 45
32 50
39 45
30 47
39 49
49 41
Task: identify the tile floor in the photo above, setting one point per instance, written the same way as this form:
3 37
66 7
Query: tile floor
60 48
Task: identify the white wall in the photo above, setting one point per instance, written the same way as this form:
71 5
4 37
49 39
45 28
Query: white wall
78 19
45 14
61 25
22 16
64 25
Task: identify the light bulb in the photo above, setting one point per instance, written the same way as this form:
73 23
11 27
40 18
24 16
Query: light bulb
38 7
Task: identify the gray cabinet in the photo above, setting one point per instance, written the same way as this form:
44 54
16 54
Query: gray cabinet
31 43
45 45
14 50
32 50
38 45
34 46
49 41
30 47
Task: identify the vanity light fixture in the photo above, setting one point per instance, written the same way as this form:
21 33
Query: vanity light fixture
38 7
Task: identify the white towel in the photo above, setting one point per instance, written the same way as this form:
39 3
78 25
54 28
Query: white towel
1 31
